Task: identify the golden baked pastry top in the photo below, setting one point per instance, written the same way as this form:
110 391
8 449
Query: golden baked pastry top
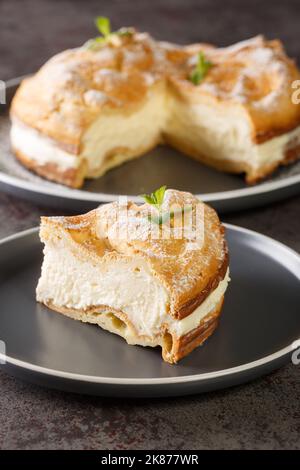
67 94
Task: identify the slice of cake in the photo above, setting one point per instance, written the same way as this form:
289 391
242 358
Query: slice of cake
155 274
92 108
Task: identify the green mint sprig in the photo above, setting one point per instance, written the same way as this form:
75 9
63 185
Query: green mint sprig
156 199
104 27
202 67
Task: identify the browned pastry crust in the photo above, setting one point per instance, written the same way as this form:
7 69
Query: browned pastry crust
187 343
72 177
211 285
45 109
265 92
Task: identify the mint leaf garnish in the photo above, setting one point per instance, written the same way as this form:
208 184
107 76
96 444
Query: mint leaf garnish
103 24
202 67
156 198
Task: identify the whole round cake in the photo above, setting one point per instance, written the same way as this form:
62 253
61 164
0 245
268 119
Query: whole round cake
92 108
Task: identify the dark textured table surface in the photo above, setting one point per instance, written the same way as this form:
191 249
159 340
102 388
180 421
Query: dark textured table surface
263 414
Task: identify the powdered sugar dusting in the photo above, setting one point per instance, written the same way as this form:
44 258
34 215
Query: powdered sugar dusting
258 75
95 98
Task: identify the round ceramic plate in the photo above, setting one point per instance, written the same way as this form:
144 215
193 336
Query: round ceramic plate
258 325
162 165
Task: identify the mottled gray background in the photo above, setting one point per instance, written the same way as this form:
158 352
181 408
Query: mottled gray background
263 414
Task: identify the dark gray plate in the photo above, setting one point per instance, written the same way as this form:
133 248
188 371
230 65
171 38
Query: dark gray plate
259 323
162 165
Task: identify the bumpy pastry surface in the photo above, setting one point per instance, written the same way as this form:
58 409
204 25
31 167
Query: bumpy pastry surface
73 89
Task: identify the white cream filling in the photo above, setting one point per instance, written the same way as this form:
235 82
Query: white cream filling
224 133
219 132
190 322
131 133
214 134
126 285
39 148
273 150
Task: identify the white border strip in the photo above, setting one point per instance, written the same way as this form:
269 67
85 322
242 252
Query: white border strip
166 380
80 195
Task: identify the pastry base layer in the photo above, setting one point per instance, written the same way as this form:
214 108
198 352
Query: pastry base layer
72 177
173 348
252 175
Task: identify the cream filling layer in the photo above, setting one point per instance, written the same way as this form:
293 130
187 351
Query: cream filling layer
39 148
117 136
224 134
215 132
125 285
187 324
273 150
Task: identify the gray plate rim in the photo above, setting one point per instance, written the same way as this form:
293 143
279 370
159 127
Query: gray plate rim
77 194
165 380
